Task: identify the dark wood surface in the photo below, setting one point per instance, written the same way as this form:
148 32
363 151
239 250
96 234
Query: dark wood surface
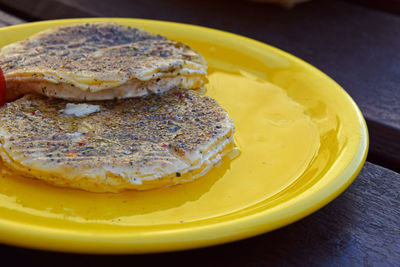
7 19
391 6
356 46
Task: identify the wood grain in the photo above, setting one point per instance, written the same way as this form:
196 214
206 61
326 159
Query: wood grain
7 19
359 228
356 46
385 144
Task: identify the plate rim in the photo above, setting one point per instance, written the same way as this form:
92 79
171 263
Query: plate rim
39 237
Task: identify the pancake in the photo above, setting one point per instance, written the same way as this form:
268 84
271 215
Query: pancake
109 146
98 61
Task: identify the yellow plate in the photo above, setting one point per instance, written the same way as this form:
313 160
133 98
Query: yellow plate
302 140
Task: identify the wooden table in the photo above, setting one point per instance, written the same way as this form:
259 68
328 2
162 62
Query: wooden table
358 46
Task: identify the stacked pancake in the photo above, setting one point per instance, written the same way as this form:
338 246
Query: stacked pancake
104 108
98 62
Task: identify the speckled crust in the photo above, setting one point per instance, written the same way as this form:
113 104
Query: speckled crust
137 143
98 56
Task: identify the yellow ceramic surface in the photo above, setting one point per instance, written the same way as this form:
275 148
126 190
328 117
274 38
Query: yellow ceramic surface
302 141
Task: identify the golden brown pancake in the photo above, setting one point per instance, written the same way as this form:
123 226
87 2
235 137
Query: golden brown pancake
97 61
109 146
